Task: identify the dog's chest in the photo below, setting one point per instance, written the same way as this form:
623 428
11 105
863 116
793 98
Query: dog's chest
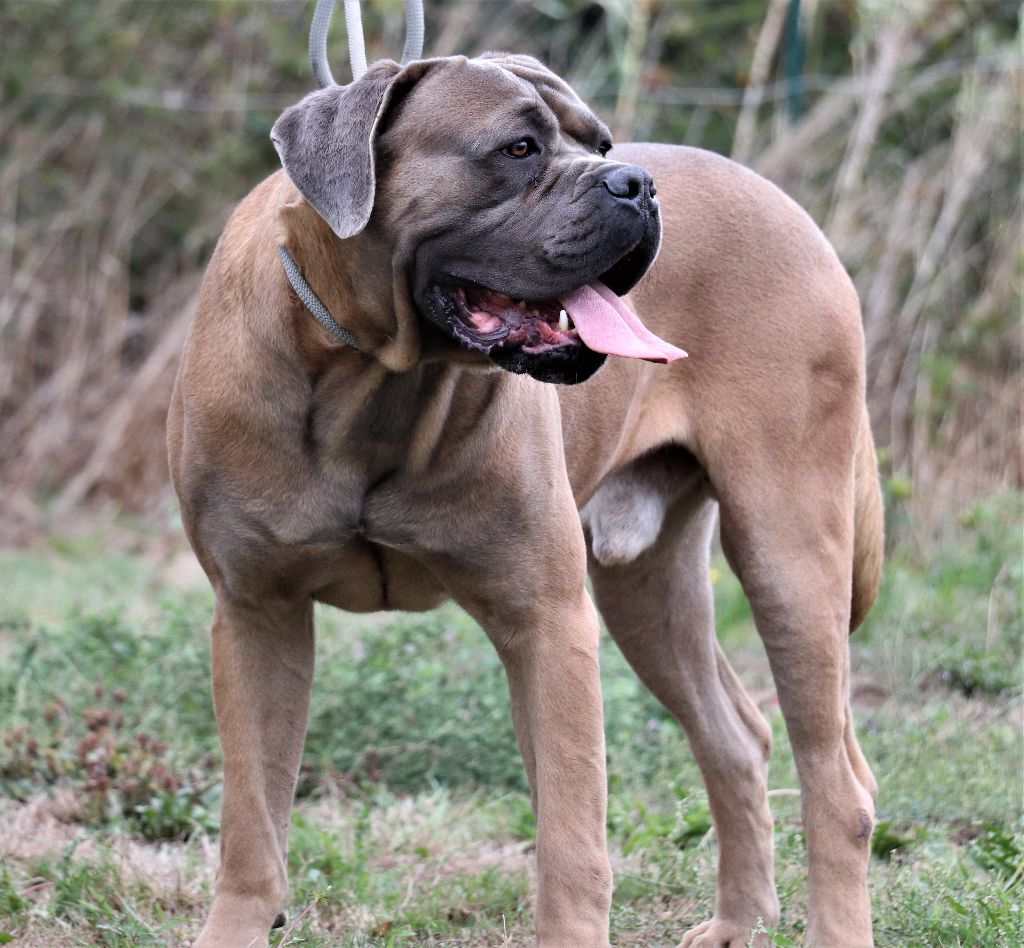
335 563
371 578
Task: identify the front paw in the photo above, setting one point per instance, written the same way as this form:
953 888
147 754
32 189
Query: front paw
720 933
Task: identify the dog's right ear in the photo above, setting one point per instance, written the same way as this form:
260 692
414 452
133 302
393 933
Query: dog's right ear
326 144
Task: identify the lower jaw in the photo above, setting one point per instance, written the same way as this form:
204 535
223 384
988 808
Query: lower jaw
560 365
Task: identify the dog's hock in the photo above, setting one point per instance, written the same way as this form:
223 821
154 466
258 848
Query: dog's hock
624 518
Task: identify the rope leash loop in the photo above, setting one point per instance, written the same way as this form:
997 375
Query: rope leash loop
320 27
356 43
318 42
413 31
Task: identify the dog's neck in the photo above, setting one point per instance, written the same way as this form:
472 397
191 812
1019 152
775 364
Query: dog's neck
356 282
363 284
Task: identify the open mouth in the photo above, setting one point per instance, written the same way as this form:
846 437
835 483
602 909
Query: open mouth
563 337
483 319
531 337
592 316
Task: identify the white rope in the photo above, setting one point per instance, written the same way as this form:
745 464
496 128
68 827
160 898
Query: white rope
318 42
413 31
356 44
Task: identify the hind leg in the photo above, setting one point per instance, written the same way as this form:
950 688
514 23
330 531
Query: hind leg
788 534
659 609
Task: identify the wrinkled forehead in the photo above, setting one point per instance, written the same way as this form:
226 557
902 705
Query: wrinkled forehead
501 89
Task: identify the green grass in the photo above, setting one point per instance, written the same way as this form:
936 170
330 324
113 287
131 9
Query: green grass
413 825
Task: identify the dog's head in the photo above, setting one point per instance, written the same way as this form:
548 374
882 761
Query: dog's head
488 180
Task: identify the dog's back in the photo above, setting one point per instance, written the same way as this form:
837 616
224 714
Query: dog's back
748 284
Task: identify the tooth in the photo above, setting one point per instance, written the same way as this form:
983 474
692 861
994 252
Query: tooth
563 321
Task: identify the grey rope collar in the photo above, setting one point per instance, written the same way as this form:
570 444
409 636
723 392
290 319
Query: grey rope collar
313 302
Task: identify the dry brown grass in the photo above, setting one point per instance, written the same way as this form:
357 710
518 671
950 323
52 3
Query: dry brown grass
932 236
911 163
430 841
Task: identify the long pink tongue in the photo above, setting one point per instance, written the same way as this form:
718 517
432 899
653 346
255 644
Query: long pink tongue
606 324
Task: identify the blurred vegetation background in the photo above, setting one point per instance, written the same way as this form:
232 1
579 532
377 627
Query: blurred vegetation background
130 128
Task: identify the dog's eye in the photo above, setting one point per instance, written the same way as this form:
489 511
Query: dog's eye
522 148
604 148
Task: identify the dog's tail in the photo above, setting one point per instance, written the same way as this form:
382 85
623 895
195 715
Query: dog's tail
869 527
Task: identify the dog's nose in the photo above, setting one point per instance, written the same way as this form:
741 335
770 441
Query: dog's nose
629 183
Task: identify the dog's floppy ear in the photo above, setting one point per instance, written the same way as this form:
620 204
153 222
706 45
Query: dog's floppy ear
326 144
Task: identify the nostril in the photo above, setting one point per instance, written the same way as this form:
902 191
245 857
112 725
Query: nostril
651 189
627 182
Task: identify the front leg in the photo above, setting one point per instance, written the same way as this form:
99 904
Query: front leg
552 666
262 672
539 616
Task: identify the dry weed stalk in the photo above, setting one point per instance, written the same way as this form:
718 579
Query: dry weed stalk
911 164
931 233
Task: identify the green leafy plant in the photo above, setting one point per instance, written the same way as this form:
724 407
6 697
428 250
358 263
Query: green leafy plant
888 839
115 774
1000 852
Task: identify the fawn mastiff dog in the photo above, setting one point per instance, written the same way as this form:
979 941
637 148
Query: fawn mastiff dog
460 219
